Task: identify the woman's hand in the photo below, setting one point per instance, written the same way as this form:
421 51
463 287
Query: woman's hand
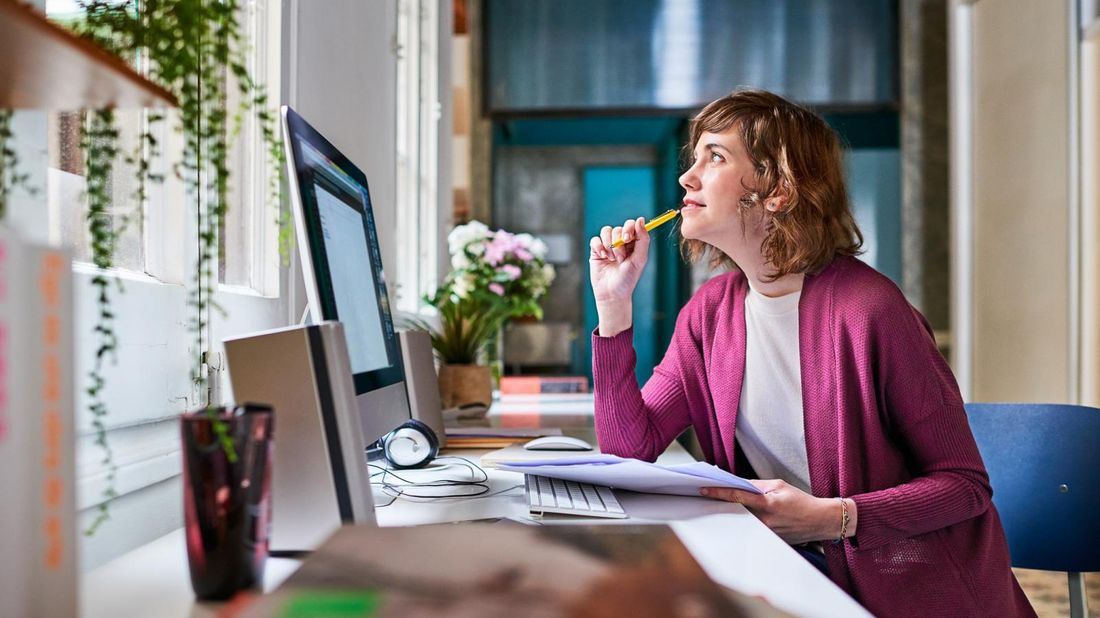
796 516
615 272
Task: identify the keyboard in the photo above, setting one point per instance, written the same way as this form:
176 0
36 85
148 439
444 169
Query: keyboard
550 495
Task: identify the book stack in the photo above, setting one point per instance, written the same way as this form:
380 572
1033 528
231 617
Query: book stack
494 437
536 385
37 442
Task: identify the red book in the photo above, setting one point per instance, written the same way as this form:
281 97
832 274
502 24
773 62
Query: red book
534 385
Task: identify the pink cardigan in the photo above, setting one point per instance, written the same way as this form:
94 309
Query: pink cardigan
884 425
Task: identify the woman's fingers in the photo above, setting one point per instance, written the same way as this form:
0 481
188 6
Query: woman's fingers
768 485
632 236
629 233
597 248
728 494
620 251
641 237
605 235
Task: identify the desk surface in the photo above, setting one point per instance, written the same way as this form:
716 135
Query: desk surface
733 547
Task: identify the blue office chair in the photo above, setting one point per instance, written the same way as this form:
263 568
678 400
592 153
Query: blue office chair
1044 465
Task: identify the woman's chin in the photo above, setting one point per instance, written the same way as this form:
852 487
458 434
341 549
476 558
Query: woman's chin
687 231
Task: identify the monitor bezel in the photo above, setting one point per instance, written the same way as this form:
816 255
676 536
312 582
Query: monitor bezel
312 249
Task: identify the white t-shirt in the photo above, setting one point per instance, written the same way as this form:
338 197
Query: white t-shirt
770 425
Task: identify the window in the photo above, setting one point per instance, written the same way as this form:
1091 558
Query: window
67 208
150 384
250 238
418 158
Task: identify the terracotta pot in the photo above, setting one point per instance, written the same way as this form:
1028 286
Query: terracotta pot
463 384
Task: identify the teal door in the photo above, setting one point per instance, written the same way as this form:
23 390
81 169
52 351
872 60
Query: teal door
613 195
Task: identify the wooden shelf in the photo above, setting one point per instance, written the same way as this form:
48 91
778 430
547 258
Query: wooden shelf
48 67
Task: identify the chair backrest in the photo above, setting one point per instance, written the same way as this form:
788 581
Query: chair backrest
1044 465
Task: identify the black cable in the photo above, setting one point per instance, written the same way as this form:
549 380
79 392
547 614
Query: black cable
402 489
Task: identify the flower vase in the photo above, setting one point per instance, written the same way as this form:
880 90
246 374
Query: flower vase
494 357
463 385
226 499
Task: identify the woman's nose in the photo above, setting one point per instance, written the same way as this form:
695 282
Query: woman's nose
688 180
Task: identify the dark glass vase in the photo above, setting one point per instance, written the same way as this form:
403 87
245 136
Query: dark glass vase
226 499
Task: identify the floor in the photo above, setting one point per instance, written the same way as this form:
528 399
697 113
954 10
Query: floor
1049 592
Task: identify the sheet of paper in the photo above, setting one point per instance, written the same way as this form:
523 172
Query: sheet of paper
633 474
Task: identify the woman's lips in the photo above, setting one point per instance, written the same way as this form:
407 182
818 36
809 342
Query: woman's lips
690 205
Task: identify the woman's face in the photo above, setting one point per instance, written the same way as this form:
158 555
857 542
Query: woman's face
714 184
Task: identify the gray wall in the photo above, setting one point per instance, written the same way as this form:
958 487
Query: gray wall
926 268
540 190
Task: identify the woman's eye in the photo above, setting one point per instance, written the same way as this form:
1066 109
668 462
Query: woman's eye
715 157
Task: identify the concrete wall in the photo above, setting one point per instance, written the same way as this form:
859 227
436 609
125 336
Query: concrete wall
925 228
540 190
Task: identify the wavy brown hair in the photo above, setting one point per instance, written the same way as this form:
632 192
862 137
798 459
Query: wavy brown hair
798 156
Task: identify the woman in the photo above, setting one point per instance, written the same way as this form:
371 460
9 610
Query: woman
807 369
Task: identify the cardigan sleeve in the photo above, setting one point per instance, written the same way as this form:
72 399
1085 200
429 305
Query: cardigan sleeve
925 414
631 422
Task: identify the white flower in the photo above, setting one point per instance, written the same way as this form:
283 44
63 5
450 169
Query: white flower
539 249
465 234
463 285
548 273
533 245
459 261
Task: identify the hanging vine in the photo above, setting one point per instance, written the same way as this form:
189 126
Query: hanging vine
190 47
99 141
11 177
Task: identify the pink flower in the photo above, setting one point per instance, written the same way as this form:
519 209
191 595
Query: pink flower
493 254
524 254
496 288
511 270
498 248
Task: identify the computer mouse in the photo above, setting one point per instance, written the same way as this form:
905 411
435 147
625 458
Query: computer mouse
557 443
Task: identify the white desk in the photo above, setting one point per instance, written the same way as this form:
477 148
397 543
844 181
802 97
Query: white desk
733 547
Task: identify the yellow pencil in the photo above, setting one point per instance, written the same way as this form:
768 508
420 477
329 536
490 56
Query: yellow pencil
664 217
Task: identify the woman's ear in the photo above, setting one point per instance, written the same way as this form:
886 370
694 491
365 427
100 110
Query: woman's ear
779 199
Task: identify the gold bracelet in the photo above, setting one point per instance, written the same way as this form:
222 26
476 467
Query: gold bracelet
844 519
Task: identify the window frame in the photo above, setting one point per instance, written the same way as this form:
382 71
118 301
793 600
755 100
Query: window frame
420 58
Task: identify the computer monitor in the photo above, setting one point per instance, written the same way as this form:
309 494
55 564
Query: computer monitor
342 267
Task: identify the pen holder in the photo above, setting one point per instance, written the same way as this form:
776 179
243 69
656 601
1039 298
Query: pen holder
226 497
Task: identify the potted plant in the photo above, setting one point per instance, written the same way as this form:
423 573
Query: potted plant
495 276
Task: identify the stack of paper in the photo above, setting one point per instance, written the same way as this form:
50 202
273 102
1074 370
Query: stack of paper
633 474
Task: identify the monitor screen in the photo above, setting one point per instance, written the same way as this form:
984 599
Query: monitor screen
341 207
342 267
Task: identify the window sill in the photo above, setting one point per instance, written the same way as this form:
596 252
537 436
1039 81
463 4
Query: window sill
154 580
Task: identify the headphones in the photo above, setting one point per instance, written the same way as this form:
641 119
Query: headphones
412 445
